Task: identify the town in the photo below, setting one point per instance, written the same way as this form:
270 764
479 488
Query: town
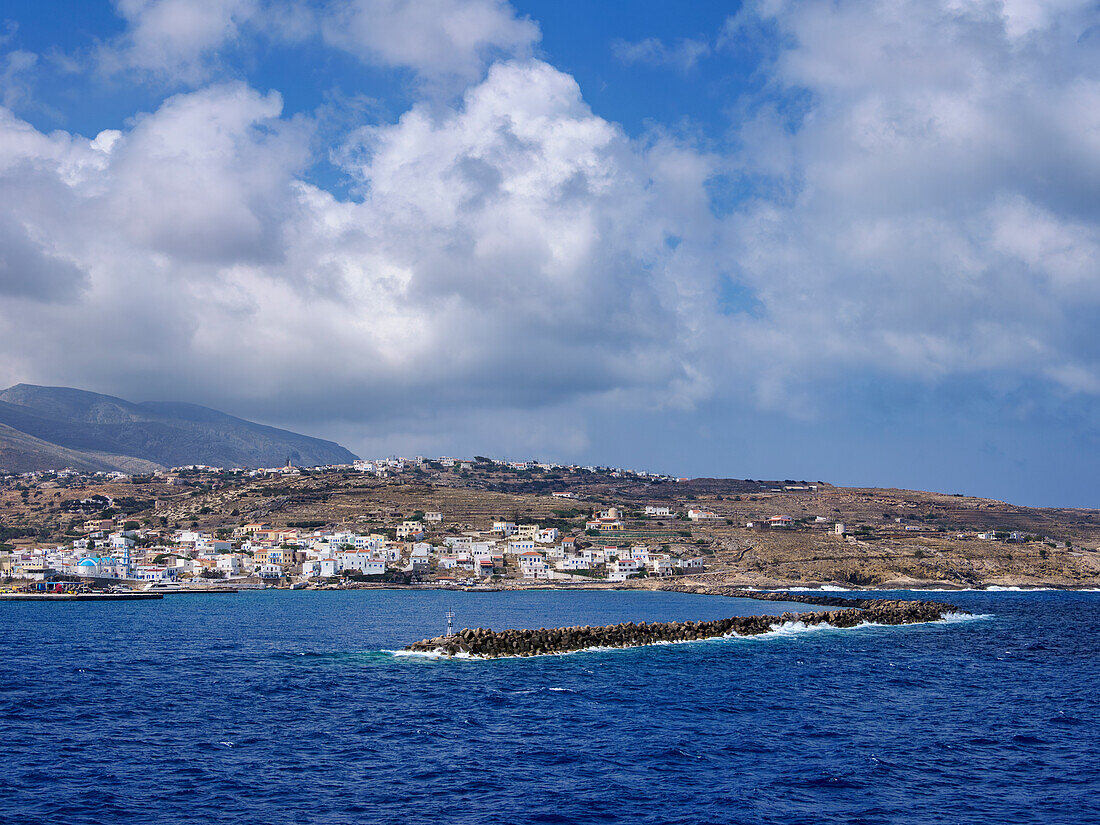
421 548
493 523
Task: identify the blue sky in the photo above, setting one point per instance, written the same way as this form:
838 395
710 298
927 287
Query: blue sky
854 241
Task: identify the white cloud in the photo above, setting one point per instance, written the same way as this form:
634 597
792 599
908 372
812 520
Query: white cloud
934 217
207 177
510 252
441 40
684 54
178 40
15 82
446 43
924 209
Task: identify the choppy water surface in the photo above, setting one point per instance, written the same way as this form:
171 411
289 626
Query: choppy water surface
281 707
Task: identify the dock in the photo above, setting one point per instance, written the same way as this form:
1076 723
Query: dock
78 597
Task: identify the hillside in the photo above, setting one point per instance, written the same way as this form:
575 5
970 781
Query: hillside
893 537
56 427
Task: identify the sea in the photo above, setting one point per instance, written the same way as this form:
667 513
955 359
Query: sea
293 707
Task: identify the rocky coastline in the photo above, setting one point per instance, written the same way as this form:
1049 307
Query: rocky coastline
486 643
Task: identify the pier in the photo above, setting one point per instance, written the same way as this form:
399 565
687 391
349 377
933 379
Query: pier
78 597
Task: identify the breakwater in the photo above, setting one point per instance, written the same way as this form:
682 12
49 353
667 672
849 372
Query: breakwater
821 600
487 643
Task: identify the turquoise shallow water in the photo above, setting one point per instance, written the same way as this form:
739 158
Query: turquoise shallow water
284 707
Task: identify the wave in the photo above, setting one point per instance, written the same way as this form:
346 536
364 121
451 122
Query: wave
429 654
955 618
779 630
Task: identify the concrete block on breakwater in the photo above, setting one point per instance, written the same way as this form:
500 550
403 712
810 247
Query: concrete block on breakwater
487 643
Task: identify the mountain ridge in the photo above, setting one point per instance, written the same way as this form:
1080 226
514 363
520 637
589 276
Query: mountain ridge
57 427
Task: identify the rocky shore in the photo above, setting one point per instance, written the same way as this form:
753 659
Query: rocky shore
487 643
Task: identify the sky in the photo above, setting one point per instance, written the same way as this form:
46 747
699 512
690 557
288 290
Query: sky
853 242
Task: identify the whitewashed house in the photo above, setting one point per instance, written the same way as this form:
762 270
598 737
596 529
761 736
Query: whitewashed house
229 563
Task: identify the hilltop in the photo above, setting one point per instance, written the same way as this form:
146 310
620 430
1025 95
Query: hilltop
51 428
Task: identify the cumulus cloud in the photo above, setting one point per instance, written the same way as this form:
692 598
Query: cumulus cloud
206 178
932 163
511 251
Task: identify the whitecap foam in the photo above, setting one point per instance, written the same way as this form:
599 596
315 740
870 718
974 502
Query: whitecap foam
438 653
956 618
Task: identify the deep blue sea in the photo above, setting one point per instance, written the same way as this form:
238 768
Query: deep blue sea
273 707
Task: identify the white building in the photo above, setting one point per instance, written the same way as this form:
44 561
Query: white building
526 531
660 566
420 560
229 563
533 565
659 512
410 530
358 562
625 567
482 550
573 563
702 515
